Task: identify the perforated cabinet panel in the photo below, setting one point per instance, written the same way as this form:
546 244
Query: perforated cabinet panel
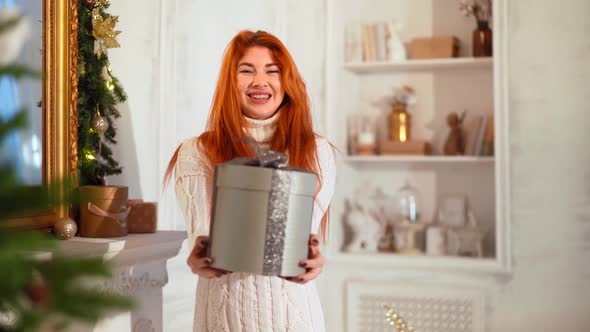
427 309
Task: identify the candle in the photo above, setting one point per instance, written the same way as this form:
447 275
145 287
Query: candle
366 137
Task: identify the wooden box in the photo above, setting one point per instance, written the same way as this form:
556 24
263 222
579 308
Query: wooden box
434 47
414 147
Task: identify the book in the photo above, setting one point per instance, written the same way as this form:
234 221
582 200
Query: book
480 135
366 37
380 46
470 127
488 140
373 42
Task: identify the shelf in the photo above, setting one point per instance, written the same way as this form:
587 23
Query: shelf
420 65
416 159
385 261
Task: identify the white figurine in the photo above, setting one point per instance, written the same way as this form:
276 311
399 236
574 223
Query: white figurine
396 51
466 240
365 221
356 220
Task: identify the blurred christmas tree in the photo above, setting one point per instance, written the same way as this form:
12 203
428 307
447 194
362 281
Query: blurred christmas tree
99 92
37 290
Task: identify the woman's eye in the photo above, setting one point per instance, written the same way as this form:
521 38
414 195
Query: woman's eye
246 71
273 71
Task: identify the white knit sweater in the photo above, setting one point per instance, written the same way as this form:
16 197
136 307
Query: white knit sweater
242 301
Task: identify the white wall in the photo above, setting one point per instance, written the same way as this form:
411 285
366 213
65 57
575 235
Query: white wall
550 125
195 36
170 82
168 64
137 65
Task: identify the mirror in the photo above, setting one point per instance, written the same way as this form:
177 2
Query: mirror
48 148
23 149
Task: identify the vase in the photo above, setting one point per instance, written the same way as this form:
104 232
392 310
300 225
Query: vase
103 211
482 39
399 123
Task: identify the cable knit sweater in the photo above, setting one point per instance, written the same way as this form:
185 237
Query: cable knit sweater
242 301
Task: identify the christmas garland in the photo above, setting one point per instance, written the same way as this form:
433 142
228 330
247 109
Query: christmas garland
99 93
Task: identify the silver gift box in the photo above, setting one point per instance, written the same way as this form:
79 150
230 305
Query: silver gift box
261 219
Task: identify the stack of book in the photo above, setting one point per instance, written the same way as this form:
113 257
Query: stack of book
479 134
372 42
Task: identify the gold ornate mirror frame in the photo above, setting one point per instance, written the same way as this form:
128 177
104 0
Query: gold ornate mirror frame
59 100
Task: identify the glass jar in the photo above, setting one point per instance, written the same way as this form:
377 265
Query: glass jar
399 123
408 204
383 212
482 39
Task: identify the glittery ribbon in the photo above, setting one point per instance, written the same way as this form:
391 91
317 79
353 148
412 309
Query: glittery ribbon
276 222
278 204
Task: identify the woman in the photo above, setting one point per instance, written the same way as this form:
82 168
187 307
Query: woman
260 93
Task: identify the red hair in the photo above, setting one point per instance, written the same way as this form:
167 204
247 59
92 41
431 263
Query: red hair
294 134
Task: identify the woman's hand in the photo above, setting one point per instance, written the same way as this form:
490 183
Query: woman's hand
199 262
314 264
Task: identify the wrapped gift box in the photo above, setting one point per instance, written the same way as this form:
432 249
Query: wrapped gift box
261 218
103 211
434 47
143 216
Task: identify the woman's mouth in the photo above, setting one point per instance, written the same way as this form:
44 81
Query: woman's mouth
259 98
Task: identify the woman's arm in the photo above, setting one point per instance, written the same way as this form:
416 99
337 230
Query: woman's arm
193 186
327 161
314 265
192 183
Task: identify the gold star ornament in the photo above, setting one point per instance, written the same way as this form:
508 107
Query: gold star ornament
103 3
104 32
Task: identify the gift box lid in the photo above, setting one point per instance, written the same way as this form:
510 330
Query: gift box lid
230 175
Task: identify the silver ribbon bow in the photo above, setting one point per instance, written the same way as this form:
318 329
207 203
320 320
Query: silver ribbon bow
266 157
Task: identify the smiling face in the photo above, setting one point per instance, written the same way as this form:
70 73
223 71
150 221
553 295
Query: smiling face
259 83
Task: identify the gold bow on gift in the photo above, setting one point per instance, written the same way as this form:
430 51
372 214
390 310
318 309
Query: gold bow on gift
103 31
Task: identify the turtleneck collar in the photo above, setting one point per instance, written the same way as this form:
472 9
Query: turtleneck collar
262 130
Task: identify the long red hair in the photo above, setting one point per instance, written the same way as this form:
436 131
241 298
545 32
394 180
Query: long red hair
294 134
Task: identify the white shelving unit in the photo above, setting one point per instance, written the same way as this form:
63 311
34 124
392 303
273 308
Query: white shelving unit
477 85
404 262
416 159
442 85
420 65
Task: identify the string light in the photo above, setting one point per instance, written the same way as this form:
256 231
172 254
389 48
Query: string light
89 155
110 86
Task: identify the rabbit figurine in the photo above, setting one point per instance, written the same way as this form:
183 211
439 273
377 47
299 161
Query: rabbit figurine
364 222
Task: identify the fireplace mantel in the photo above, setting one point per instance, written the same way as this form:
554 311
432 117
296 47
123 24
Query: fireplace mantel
139 270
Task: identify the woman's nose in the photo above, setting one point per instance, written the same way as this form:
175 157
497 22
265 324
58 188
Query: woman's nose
259 80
